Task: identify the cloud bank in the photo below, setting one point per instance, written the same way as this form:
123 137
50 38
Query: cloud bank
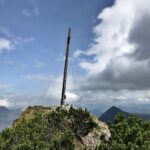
120 53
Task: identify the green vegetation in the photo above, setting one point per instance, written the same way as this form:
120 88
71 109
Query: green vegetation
65 128
128 134
50 128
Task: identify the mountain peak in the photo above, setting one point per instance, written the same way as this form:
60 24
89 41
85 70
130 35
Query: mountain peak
54 126
114 107
110 114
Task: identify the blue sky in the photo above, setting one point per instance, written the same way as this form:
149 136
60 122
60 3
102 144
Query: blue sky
44 25
109 43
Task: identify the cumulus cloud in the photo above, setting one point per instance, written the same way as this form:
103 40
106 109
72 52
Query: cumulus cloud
78 53
120 51
5 44
71 97
50 96
53 92
55 88
140 35
4 102
10 41
22 100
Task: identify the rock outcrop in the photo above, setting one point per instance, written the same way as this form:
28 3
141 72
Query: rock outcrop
57 128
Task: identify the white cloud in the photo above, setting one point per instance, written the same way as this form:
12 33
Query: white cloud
4 102
21 100
5 44
119 56
111 39
112 34
10 41
78 53
55 89
71 97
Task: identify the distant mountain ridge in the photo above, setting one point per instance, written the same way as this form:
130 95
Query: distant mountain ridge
7 116
109 115
3 108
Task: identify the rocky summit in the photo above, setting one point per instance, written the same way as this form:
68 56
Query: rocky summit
54 128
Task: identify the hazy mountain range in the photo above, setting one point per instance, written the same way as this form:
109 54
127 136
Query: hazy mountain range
7 116
109 115
98 109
